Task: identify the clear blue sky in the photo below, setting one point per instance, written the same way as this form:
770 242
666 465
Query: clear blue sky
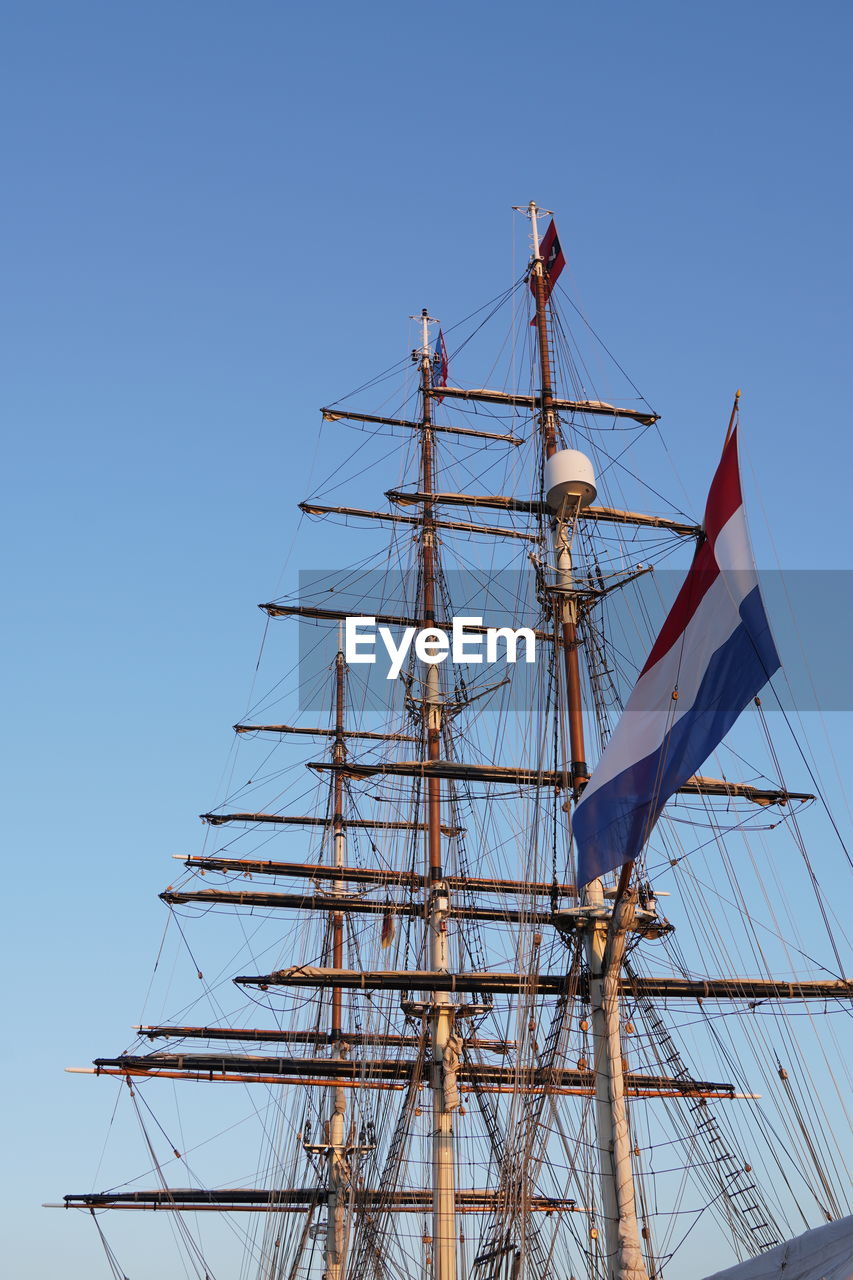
218 216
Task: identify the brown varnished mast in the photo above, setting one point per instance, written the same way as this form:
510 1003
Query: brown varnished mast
335 1143
339 753
433 734
568 626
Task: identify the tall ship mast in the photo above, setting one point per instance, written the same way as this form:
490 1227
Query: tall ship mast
541 977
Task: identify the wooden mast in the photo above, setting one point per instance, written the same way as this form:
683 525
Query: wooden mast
437 899
335 1247
605 946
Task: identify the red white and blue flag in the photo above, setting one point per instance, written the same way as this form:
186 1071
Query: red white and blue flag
713 655
440 363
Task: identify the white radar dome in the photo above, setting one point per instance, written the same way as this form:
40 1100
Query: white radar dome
569 481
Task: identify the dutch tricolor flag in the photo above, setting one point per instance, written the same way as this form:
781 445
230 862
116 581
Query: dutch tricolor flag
714 653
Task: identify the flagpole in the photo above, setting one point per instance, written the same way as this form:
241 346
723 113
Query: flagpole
605 941
733 418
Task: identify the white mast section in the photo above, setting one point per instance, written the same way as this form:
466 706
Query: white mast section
532 211
605 951
444 1040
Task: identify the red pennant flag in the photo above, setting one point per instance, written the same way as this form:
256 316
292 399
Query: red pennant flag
553 261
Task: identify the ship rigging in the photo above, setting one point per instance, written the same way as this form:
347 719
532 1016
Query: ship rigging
479 1066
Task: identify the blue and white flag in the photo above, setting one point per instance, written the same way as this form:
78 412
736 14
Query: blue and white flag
714 653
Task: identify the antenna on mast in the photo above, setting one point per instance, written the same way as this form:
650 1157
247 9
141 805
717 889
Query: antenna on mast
426 320
532 211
